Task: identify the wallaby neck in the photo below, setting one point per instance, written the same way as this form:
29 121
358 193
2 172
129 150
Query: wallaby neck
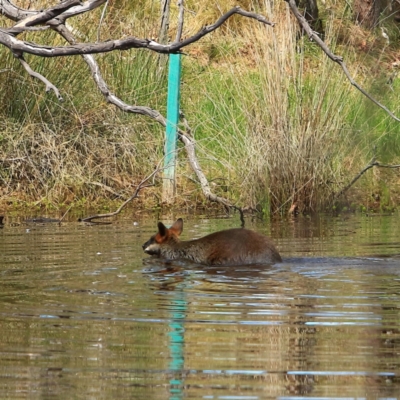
190 249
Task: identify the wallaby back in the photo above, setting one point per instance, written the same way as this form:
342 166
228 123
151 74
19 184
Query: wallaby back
237 246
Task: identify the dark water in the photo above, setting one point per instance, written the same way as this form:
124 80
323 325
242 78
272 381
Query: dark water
83 317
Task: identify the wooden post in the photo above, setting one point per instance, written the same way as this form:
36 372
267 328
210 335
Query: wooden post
174 77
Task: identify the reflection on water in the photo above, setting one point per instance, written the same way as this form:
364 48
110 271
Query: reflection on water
83 316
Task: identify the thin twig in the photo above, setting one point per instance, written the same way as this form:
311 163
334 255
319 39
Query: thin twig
371 164
103 13
65 214
120 208
394 166
8 39
31 72
180 21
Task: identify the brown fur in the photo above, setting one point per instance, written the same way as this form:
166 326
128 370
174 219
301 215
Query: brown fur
237 246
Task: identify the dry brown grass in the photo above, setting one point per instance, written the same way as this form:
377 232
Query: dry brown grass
58 166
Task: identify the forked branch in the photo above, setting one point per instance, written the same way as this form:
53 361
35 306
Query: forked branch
8 39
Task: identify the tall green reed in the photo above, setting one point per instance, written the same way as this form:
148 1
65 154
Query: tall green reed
278 125
82 148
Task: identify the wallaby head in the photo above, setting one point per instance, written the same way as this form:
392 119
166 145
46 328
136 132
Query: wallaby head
163 236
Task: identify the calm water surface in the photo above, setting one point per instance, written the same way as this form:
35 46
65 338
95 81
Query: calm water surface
82 316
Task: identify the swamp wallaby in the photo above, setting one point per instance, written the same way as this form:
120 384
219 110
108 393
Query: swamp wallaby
236 246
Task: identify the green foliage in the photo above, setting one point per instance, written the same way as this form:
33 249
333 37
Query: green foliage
277 130
61 152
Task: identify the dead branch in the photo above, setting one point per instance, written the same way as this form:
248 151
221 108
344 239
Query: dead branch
371 164
15 13
394 166
49 85
8 39
180 21
47 15
103 87
337 59
121 207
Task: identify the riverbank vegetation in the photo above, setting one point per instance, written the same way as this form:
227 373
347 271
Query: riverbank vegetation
276 122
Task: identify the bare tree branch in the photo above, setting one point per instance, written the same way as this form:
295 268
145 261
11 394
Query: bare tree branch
42 17
17 14
337 59
13 12
371 164
185 137
355 179
139 187
28 23
103 87
390 166
49 85
7 38
180 21
74 11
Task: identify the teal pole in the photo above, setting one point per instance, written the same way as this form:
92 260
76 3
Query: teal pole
177 341
174 78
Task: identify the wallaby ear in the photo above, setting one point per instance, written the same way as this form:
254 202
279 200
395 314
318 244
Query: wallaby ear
178 226
162 229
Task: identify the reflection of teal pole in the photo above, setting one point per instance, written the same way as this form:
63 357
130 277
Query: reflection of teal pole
177 341
174 77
